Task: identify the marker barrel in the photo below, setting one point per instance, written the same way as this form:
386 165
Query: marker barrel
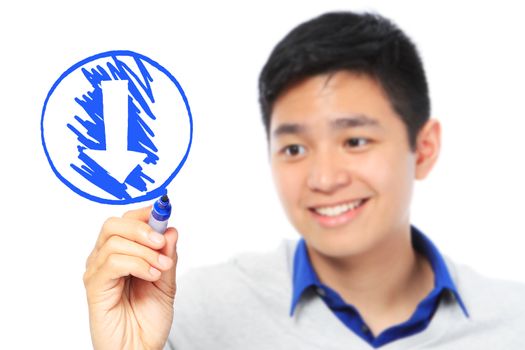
160 213
159 226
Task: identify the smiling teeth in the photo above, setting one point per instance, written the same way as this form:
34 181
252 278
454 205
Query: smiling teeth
339 209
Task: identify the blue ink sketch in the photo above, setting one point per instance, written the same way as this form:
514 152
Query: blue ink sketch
117 152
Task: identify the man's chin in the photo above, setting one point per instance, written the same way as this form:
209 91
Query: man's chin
336 247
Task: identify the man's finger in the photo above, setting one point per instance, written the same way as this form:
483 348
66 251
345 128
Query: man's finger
141 214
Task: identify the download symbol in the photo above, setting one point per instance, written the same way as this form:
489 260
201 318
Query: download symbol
116 157
116 128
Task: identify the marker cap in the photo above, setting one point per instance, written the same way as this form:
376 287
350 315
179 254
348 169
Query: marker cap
162 209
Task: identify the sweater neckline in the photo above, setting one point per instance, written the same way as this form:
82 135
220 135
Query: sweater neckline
313 313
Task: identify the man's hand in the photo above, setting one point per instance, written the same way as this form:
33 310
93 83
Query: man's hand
130 284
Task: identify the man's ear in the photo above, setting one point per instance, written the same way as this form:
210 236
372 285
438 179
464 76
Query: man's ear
428 145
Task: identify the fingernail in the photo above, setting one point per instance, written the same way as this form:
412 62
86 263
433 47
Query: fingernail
154 272
164 261
155 237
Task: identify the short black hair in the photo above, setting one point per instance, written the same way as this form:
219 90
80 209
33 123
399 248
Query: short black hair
359 42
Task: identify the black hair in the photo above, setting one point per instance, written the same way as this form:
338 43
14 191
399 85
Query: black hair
364 43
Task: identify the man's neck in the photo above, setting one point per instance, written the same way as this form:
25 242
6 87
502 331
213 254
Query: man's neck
384 284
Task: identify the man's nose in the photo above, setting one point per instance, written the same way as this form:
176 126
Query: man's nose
327 173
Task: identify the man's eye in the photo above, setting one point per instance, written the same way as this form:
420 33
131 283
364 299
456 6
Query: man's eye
355 142
293 150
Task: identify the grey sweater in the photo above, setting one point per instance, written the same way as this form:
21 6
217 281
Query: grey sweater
245 304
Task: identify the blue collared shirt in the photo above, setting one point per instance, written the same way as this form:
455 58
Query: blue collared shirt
304 278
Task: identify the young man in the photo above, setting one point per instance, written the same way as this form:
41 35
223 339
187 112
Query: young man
346 108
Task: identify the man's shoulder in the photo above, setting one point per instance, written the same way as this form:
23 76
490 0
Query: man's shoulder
470 280
267 271
489 296
222 298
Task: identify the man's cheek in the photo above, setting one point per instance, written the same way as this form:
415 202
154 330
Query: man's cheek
372 171
287 185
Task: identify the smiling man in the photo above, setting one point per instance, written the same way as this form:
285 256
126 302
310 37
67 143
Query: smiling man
345 105
344 170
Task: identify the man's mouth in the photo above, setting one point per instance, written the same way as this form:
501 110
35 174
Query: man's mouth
338 214
339 209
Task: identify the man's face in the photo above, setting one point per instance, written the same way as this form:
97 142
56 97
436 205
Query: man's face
341 163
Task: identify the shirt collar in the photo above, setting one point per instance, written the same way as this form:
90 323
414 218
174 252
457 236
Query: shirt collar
442 278
305 277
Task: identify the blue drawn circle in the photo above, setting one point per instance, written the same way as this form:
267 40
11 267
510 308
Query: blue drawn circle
157 192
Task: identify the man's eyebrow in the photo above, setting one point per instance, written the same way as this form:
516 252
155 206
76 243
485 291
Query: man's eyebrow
353 121
288 128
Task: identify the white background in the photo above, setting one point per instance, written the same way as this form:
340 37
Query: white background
224 201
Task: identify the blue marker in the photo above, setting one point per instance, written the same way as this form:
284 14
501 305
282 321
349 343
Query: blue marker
158 219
